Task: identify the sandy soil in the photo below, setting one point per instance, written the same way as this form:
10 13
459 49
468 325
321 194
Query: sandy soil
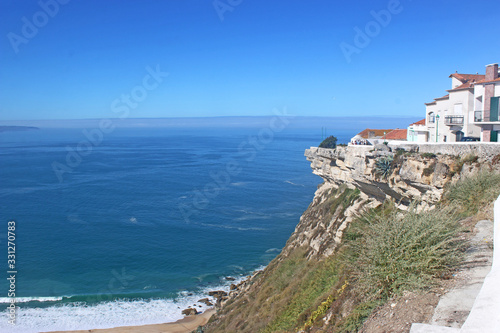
185 325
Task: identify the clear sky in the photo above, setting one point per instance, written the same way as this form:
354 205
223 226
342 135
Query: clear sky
71 59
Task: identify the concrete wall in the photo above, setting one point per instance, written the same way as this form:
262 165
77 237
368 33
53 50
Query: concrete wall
481 149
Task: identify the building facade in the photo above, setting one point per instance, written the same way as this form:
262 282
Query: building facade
417 132
451 117
487 105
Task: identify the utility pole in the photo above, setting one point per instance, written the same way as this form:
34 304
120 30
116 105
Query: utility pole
437 127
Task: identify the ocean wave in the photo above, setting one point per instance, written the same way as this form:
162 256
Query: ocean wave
239 183
75 316
253 217
222 226
292 183
31 299
123 312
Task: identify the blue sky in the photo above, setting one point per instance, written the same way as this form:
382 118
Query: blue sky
236 57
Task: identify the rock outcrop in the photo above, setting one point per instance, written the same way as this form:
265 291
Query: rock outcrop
355 179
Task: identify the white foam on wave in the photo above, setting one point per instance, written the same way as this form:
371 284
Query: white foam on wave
78 316
30 299
292 183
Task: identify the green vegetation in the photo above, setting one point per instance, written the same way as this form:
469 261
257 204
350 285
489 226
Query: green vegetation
428 155
324 307
473 193
395 252
357 317
383 166
429 170
343 198
329 142
384 253
467 159
316 284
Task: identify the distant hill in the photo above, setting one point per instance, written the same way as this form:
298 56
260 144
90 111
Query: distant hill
17 128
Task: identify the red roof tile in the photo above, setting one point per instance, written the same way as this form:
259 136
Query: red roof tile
420 122
397 134
484 81
467 77
468 80
373 133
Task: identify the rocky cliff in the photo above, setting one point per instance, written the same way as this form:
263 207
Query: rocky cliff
411 177
355 180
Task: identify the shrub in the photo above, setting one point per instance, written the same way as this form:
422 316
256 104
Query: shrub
400 151
383 166
399 252
312 281
428 155
329 142
473 193
470 158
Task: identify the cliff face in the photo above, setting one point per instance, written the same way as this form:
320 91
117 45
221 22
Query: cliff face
355 179
411 178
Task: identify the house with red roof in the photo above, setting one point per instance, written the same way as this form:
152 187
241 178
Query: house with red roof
417 132
450 118
373 133
374 136
470 109
397 134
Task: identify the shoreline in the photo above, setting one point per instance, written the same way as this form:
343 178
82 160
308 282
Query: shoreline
184 325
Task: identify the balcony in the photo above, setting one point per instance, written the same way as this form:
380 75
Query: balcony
453 120
486 117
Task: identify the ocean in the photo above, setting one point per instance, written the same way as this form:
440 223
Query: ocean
132 225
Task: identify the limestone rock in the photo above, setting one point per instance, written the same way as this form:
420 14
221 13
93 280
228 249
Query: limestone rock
189 312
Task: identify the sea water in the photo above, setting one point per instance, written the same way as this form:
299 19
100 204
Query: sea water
137 225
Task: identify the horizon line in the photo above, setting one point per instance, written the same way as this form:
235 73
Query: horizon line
206 117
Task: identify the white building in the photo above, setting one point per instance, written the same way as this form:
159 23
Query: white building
418 132
451 117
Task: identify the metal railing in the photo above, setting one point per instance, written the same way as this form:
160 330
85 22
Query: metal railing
479 116
454 120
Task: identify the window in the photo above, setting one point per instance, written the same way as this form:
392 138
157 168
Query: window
432 117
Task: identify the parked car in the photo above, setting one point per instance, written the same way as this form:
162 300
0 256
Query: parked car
470 138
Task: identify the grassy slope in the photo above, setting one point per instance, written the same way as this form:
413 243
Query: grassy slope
384 253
